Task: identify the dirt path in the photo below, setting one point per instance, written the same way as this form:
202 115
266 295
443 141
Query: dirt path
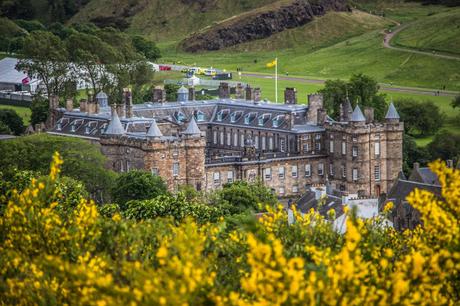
388 36
383 86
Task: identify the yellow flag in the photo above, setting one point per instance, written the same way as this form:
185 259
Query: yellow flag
271 64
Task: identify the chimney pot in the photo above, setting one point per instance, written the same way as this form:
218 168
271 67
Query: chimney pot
416 166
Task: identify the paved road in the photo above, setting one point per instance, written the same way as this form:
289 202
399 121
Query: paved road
383 86
389 36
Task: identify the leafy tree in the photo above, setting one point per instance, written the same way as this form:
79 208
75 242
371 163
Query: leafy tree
146 47
413 153
39 107
456 102
4 129
45 58
84 161
30 25
241 196
12 120
360 88
420 118
445 145
171 92
137 185
15 9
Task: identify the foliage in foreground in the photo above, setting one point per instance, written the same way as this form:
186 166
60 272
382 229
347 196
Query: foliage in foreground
47 257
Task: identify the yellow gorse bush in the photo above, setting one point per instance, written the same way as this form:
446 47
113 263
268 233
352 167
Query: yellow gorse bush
51 258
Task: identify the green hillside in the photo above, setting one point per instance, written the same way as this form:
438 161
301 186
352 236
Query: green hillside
439 32
167 20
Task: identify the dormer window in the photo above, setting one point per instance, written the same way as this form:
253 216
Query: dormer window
222 114
277 121
235 116
180 117
87 130
249 117
72 128
200 116
263 119
219 116
59 126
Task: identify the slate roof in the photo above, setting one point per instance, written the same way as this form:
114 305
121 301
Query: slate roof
308 201
392 113
192 128
402 188
154 131
115 127
357 115
424 175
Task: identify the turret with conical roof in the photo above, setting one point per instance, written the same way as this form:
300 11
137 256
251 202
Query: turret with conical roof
115 127
192 128
346 110
392 114
357 115
154 131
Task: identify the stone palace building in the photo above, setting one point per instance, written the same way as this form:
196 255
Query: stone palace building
207 144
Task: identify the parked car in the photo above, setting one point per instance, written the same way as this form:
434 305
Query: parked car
210 72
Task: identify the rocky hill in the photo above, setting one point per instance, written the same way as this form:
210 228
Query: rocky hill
260 24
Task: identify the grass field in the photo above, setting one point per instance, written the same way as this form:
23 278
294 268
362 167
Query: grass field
439 32
24 112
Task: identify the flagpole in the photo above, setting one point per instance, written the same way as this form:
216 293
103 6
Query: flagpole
276 80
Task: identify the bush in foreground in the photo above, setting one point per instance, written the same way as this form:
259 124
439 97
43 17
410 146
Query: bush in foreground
83 258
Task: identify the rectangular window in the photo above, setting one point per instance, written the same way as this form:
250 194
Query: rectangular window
214 137
331 169
281 172
270 143
307 170
268 174
295 189
230 177
355 151
318 146
355 174
344 148
229 139
221 138
216 178
331 146
242 140
282 145
320 169
235 139
154 171
377 172
377 148
175 169
281 190
294 171
256 142
263 146
344 171
306 137
306 147
318 136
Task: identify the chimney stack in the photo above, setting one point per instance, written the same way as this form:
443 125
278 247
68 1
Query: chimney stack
369 114
249 93
83 104
257 93
121 110
239 91
315 103
416 166
321 116
69 105
290 95
191 93
54 102
224 91
128 101
159 94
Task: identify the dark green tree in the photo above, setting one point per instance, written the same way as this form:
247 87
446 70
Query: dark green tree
83 160
413 153
334 93
420 118
12 120
17 9
445 145
242 196
137 185
4 129
39 108
146 47
171 92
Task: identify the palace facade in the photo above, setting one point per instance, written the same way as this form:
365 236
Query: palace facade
207 144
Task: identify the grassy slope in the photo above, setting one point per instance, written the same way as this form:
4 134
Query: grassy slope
170 20
440 32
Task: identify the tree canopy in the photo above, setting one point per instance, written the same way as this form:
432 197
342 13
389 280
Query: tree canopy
137 185
10 119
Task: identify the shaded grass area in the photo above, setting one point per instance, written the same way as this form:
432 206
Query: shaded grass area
24 112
